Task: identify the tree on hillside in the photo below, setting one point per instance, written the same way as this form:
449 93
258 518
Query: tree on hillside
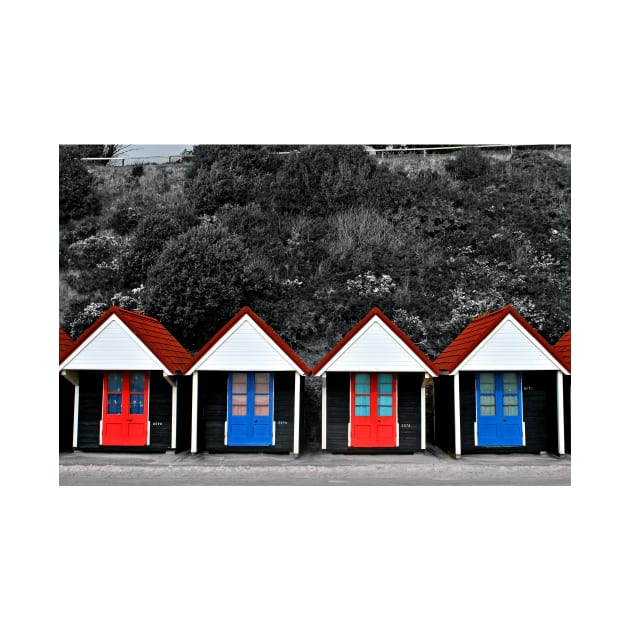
77 192
230 174
197 282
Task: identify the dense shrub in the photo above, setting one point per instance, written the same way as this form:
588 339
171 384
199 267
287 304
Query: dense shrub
197 282
77 195
469 163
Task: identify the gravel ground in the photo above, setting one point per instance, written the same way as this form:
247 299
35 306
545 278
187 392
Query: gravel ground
433 468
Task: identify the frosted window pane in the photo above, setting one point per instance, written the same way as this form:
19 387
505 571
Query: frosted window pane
114 403
362 406
486 382
487 404
385 383
239 405
136 403
384 410
136 381
239 383
114 382
510 406
261 406
510 383
261 383
362 384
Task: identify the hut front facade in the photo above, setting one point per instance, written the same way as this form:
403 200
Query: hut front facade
373 390
247 386
563 350
500 389
125 369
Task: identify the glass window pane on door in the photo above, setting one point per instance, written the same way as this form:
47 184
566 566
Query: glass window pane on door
510 383
136 403
486 382
487 404
136 382
362 384
384 405
239 383
362 405
510 405
261 382
114 403
385 383
239 405
261 406
114 382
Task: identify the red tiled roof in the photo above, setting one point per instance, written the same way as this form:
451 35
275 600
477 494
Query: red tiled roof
149 330
478 329
390 324
563 348
65 343
265 327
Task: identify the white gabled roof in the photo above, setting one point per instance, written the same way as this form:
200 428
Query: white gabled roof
113 346
509 347
375 344
246 343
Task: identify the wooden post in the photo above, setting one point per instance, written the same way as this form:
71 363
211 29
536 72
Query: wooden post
75 417
458 433
324 411
174 414
193 415
423 413
296 415
560 411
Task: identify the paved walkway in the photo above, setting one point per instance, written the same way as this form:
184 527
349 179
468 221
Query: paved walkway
433 467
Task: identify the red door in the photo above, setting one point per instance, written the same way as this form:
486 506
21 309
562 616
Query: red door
373 410
125 411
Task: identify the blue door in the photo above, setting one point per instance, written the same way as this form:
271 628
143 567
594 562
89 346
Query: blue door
499 409
250 409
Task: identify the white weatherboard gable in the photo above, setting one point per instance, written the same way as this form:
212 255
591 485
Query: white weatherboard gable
509 347
375 348
112 347
246 347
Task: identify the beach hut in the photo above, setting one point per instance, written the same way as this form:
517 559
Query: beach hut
125 369
563 350
66 397
500 389
247 386
373 390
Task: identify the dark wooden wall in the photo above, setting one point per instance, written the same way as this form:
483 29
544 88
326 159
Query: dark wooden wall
337 411
444 405
90 408
212 414
184 409
409 411
66 413
160 410
338 414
